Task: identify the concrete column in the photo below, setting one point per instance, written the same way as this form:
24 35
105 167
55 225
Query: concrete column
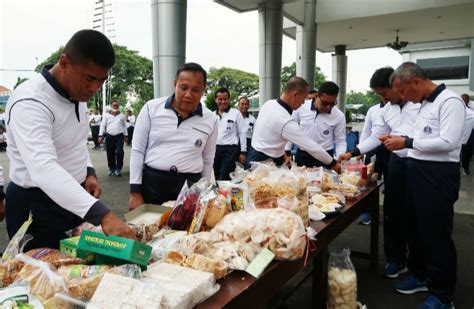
299 50
309 42
339 74
270 17
168 42
471 67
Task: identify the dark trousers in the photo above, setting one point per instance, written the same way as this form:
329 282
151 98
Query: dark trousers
257 156
432 191
395 211
114 146
95 135
50 221
303 158
381 160
224 161
130 135
160 186
466 151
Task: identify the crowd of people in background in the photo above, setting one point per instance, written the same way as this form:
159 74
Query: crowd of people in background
416 134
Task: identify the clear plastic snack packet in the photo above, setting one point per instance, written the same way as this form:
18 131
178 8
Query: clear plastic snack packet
342 281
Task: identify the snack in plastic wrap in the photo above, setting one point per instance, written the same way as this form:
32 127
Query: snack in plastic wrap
202 263
217 208
279 230
127 270
175 257
145 232
9 271
63 301
342 281
43 281
119 292
70 272
18 241
54 257
86 226
182 287
186 203
201 209
163 244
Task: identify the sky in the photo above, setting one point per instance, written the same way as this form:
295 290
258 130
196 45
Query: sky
30 30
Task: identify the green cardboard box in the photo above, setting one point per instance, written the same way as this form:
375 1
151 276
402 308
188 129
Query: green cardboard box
69 246
114 250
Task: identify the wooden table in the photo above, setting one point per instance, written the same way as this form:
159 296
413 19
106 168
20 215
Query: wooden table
240 290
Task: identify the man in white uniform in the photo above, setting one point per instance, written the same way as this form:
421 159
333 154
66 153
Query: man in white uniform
130 126
231 137
433 178
249 120
114 129
323 122
175 141
467 137
50 170
94 120
275 128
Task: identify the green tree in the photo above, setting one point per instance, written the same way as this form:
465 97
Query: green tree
19 80
238 82
367 100
131 76
289 71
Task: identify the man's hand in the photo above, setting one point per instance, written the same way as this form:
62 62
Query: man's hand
101 139
2 211
344 157
136 199
395 142
125 139
286 160
242 158
337 167
112 225
92 186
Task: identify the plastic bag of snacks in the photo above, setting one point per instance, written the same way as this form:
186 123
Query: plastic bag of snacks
54 257
43 281
185 206
342 281
18 241
205 197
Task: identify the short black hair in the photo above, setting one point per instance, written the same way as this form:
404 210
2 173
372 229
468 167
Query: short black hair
221 90
243 97
192 67
295 83
90 45
313 91
381 78
329 88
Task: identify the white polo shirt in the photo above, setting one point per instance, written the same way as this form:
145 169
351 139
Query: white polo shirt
249 125
130 121
97 120
396 120
326 129
232 129
161 140
438 127
468 125
373 119
275 127
47 144
113 125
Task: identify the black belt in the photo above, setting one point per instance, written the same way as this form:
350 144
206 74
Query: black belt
173 171
227 146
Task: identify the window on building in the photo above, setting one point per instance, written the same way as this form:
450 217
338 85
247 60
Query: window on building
446 68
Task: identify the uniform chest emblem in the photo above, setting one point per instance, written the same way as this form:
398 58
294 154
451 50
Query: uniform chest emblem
427 130
326 132
198 143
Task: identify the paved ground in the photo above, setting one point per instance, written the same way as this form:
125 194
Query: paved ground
374 290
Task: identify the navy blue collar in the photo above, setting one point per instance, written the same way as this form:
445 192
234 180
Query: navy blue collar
54 83
381 104
432 97
169 105
225 111
246 115
59 89
285 105
314 108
